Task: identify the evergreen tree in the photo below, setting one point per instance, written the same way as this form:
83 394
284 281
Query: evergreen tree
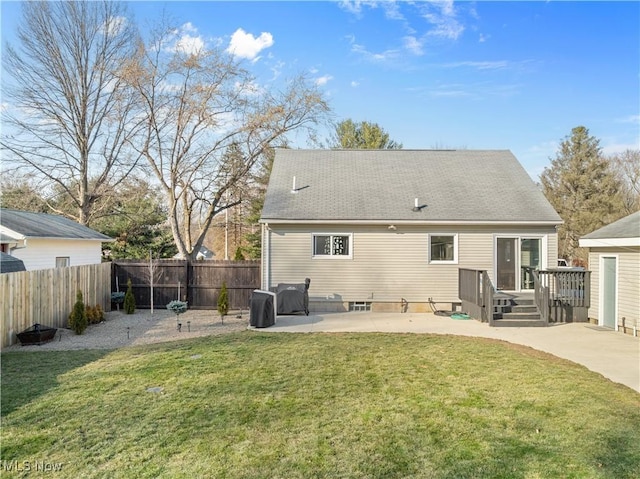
363 135
583 189
129 299
223 301
78 318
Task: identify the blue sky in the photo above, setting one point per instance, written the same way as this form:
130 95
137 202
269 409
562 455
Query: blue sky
476 75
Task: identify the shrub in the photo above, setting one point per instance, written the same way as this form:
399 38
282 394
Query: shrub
223 301
78 316
90 312
129 300
117 297
178 307
95 314
238 256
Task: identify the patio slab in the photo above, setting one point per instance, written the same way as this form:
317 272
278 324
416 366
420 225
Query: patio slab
614 355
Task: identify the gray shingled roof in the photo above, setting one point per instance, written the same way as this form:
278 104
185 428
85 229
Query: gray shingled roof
42 225
381 185
627 227
9 264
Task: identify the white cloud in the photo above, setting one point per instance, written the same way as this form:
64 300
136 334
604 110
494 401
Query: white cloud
413 45
189 44
630 119
617 148
188 27
385 56
185 40
323 80
495 65
355 84
245 45
443 16
483 38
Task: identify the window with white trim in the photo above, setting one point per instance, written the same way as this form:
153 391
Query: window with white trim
331 245
443 248
62 261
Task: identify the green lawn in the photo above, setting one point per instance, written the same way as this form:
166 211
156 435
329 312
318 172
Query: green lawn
257 405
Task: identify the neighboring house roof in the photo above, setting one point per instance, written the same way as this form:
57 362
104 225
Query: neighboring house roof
624 232
41 225
451 186
203 253
5 238
9 264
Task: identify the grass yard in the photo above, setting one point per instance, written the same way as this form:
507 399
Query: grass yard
257 405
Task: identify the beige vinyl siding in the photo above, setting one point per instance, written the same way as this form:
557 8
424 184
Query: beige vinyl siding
628 268
385 265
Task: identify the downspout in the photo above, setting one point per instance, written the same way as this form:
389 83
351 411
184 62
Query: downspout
266 255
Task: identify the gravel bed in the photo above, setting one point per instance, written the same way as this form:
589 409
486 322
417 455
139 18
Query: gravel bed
121 330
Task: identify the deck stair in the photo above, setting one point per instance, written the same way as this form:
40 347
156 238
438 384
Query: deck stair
512 310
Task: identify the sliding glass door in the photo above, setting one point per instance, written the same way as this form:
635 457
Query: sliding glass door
516 257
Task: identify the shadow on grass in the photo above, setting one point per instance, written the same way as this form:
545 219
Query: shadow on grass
23 377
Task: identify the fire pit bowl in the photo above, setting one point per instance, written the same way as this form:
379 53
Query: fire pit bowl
36 334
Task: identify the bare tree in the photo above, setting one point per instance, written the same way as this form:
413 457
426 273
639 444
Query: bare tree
627 167
70 116
197 105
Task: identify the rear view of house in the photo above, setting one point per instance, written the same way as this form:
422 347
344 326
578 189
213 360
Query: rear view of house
377 229
45 241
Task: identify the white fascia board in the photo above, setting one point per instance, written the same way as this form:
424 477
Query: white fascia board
14 234
608 242
407 222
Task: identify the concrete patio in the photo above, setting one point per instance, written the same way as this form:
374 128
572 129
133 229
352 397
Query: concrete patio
614 355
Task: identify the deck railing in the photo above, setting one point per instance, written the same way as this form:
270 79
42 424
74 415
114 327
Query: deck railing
487 298
571 288
560 296
476 293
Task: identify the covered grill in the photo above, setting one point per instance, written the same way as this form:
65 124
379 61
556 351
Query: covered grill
293 297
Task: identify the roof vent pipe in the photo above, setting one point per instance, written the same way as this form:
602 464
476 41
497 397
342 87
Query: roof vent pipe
416 206
293 189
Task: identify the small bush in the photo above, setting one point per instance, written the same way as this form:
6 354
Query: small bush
99 313
238 256
117 297
95 314
178 307
78 317
223 301
129 300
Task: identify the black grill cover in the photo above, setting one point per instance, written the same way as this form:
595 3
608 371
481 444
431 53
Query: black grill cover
262 313
293 298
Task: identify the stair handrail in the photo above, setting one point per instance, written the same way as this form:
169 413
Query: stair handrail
487 290
541 296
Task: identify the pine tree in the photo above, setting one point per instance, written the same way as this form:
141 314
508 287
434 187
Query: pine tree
129 299
583 189
223 301
78 318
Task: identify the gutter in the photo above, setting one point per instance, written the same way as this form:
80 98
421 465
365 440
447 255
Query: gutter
411 222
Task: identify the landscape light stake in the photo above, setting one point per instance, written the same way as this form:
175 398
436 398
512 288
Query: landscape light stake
189 326
179 327
128 328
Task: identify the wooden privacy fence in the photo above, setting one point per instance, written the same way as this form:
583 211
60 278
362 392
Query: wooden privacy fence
197 282
47 296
